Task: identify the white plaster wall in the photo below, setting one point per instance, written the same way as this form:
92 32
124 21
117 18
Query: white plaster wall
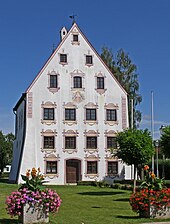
32 155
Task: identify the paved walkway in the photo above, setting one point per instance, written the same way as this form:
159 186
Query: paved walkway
157 223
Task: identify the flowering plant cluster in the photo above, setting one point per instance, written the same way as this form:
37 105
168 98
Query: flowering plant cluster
143 200
151 181
32 193
151 195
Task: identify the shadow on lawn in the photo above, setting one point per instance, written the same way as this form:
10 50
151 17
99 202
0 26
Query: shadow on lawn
7 221
3 180
127 217
122 199
101 193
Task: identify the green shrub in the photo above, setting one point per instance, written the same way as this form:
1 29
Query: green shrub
87 183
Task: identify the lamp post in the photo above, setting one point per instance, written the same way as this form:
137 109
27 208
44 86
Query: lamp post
156 147
163 156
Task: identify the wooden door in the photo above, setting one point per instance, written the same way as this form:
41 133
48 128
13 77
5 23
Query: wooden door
72 171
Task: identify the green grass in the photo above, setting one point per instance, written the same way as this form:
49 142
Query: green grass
83 205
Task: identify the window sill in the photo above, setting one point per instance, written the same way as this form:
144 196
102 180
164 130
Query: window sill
113 150
51 175
90 122
77 89
75 42
91 175
70 151
53 90
48 150
63 63
101 91
48 122
70 123
89 65
111 123
91 151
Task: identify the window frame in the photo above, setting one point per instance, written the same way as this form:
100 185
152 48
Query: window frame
56 167
48 116
50 141
53 82
113 168
68 111
111 144
75 39
77 82
110 116
92 167
91 142
100 83
70 142
63 58
89 60
90 116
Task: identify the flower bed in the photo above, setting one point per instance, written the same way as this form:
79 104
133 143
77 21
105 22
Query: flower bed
34 195
152 199
149 203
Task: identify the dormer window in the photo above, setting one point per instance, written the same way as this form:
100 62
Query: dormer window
89 60
75 38
63 58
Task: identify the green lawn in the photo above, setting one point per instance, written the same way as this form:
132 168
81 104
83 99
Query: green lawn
83 205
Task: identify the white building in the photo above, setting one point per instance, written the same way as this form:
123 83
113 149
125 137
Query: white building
67 119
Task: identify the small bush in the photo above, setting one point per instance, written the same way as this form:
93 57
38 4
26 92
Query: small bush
87 183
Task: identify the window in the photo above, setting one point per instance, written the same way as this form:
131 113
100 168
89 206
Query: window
70 114
70 142
112 168
48 114
48 142
75 37
89 60
100 82
53 81
51 167
111 143
111 115
91 114
63 58
91 142
77 82
91 167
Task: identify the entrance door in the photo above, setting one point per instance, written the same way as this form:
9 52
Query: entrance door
73 171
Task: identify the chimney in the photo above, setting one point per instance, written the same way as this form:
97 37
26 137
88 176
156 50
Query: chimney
63 33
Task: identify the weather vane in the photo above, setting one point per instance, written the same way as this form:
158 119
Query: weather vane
73 17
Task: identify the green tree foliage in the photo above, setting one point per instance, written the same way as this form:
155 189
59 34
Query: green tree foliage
124 70
135 148
165 141
6 145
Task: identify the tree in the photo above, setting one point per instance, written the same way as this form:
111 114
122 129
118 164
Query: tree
125 72
6 145
135 148
165 141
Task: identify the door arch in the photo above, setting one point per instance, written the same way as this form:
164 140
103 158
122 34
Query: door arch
73 170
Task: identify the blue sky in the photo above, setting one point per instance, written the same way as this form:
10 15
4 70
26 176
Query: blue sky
142 28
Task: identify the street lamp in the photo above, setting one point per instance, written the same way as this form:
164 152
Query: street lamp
163 156
157 169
